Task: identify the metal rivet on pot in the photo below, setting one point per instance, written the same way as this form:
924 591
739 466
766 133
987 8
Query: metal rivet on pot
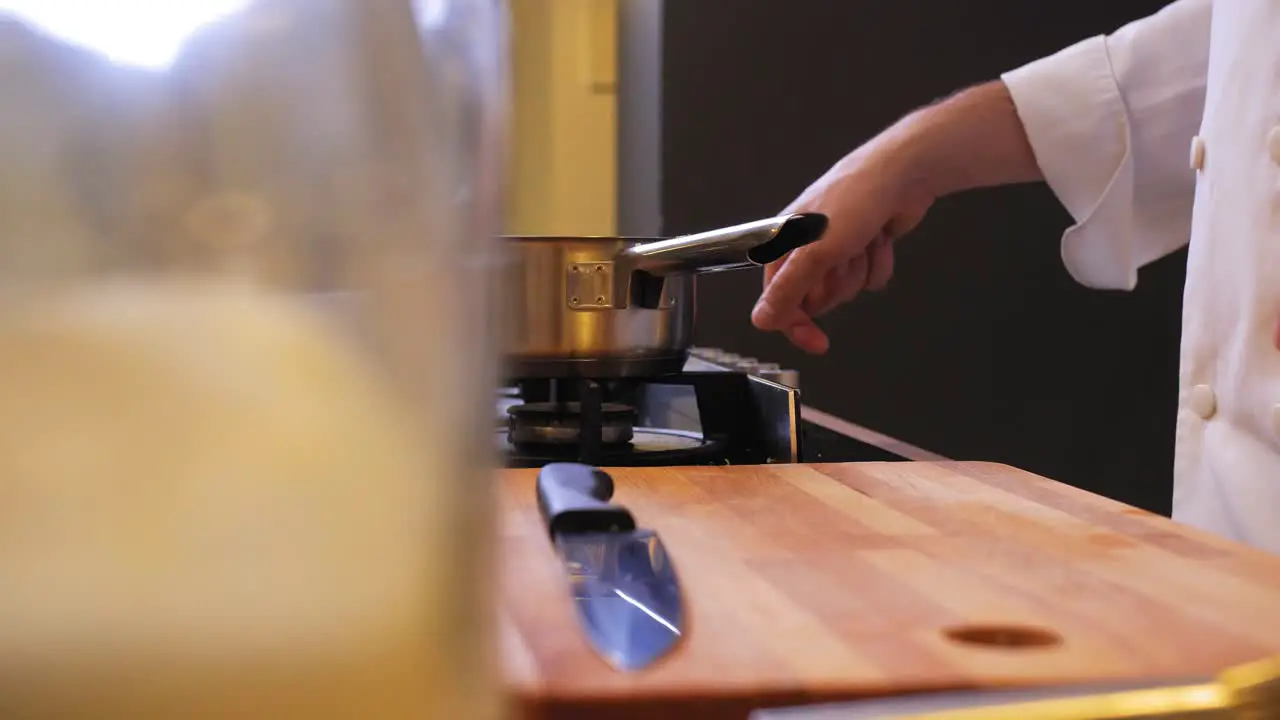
599 268
599 299
573 301
573 268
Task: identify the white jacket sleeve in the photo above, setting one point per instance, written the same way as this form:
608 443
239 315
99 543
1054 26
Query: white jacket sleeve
1111 121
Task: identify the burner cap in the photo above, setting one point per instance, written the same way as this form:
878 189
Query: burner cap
550 423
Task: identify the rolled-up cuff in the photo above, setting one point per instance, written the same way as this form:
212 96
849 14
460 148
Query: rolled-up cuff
1071 108
1074 116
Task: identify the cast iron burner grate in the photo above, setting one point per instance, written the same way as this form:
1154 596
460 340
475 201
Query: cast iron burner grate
573 421
562 423
622 422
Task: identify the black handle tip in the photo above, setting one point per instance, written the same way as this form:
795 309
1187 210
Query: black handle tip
574 498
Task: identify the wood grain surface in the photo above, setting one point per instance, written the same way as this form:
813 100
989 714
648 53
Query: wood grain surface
810 583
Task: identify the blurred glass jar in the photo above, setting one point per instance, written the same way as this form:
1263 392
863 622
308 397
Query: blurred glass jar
248 332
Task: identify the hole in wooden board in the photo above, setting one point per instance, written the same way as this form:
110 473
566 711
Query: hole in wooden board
1013 637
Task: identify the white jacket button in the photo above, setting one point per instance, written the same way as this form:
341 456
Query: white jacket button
1197 153
1273 144
1203 402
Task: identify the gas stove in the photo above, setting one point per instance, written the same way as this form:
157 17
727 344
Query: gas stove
723 409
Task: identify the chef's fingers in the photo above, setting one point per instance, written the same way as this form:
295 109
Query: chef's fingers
806 335
880 263
846 295
802 270
770 270
798 205
798 327
840 285
826 289
853 280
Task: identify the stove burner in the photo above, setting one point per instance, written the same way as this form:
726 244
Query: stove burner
560 423
649 447
690 418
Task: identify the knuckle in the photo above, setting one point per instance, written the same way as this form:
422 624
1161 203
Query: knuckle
820 255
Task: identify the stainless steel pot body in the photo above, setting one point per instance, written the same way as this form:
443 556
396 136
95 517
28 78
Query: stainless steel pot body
615 307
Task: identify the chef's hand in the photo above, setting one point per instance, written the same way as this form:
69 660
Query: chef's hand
881 191
870 202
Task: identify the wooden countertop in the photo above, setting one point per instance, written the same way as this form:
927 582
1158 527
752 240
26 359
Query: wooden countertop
808 583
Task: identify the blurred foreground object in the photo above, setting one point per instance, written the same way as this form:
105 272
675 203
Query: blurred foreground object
247 251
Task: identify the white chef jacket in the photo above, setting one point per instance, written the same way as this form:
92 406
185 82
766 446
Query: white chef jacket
1167 132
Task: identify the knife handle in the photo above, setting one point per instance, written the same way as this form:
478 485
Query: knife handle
574 498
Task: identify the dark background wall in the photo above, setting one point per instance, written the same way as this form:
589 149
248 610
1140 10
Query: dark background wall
982 347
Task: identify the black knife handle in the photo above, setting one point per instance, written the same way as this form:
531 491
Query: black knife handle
574 498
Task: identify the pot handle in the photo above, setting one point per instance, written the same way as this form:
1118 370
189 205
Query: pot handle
741 246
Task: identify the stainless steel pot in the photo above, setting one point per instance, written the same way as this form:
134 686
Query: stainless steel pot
612 307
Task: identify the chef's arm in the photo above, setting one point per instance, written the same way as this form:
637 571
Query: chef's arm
1107 123
973 139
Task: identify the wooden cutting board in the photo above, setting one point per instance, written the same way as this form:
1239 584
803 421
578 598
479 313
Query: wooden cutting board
809 583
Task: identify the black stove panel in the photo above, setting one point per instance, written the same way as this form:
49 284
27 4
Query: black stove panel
823 445
690 418
707 415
